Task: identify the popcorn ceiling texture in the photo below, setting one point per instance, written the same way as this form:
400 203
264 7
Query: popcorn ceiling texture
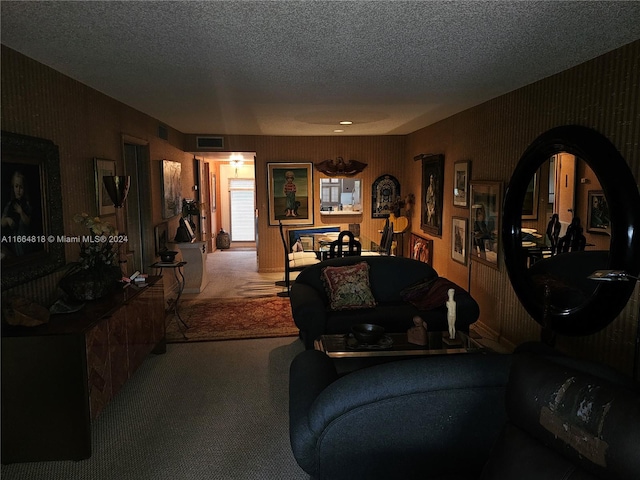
297 68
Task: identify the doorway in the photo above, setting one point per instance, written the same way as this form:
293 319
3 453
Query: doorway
141 243
242 208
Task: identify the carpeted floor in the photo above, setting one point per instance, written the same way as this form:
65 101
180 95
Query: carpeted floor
227 319
202 411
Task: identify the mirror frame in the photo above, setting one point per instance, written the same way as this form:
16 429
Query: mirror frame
621 191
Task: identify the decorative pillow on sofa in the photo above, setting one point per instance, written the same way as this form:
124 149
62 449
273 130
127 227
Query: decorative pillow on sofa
348 287
429 293
302 259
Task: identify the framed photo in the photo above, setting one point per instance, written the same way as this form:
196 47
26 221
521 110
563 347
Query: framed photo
32 225
432 194
530 205
103 168
459 228
161 232
421 249
213 192
461 176
486 205
598 219
290 193
171 188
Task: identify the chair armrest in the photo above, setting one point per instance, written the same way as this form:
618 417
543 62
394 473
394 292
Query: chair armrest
421 415
309 312
310 373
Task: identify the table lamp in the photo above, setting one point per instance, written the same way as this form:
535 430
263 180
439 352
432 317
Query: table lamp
117 187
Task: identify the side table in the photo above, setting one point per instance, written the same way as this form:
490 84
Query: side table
179 276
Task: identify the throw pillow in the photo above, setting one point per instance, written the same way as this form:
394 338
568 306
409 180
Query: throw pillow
301 259
348 287
430 293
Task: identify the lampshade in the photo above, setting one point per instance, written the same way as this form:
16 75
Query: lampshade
117 187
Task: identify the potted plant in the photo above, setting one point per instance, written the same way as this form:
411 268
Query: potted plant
96 272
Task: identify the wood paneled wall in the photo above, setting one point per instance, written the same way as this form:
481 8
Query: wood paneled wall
603 94
84 123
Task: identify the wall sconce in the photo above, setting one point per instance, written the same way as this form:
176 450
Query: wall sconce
117 187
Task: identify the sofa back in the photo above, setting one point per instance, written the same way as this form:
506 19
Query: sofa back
388 275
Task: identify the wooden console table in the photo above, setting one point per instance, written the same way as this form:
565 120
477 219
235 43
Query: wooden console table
59 376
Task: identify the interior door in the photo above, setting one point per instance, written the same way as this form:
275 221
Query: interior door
565 203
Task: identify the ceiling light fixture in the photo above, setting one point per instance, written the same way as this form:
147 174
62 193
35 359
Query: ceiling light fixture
236 160
346 122
338 130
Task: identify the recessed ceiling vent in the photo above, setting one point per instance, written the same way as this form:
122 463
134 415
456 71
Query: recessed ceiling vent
210 142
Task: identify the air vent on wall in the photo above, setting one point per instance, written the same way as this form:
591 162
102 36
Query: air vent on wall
210 142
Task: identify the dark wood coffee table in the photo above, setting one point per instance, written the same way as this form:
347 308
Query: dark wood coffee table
345 346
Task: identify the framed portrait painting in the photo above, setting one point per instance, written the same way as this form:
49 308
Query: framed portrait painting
598 219
290 193
486 205
459 236
421 249
103 168
461 176
432 194
32 226
171 188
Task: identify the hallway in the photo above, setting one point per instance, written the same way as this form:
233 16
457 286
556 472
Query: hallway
233 273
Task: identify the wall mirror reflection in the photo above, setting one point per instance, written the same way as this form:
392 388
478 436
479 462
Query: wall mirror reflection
340 195
563 196
580 172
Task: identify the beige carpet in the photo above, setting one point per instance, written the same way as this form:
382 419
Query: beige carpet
234 273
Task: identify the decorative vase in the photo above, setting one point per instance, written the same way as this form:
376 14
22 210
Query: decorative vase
223 241
84 285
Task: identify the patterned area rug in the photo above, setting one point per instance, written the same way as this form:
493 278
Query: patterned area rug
232 319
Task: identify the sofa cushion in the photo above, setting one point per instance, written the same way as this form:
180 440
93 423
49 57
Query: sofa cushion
301 259
429 293
348 286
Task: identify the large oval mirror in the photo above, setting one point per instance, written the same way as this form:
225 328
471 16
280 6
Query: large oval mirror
556 291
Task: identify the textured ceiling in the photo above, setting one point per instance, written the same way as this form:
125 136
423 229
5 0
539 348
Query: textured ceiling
300 67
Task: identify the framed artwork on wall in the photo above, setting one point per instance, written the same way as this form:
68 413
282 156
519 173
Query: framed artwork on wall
212 188
461 177
432 194
486 206
459 228
421 248
103 168
385 191
171 188
598 219
290 193
32 226
162 237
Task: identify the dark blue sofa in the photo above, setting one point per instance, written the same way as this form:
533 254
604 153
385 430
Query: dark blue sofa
389 276
523 416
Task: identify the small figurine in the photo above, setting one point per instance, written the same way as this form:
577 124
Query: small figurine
451 314
418 334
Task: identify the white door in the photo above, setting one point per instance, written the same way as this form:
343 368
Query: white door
242 205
